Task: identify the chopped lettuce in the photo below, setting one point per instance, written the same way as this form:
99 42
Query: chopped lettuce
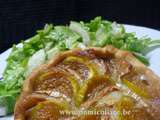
54 39
35 60
14 73
78 28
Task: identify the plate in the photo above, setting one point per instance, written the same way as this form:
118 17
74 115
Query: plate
153 56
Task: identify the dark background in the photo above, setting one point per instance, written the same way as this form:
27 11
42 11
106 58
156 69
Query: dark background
19 19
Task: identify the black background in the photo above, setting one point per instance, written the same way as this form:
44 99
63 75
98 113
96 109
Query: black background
19 19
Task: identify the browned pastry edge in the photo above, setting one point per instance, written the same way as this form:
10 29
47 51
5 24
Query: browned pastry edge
21 105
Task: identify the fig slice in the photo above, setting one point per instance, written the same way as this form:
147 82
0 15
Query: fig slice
79 67
128 109
137 88
47 110
56 84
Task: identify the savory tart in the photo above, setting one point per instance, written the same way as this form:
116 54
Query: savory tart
90 84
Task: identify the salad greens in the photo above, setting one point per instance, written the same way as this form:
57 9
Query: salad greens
53 39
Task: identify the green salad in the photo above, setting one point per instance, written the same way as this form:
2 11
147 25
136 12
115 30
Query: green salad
53 39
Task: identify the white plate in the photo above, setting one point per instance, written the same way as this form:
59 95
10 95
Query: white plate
153 56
